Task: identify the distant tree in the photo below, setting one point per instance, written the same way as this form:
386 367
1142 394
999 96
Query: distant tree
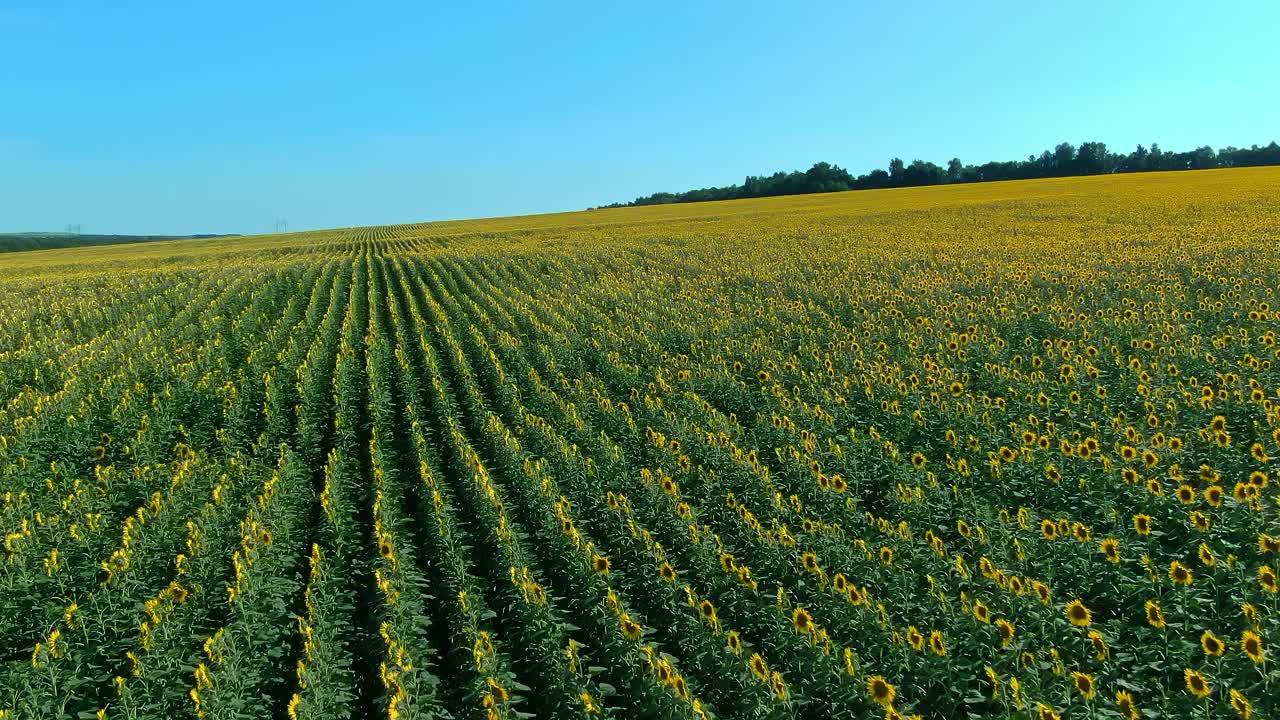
920 172
875 179
896 171
1137 162
1064 156
1155 158
1090 158
1203 158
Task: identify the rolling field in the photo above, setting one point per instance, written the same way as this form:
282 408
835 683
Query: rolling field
1005 450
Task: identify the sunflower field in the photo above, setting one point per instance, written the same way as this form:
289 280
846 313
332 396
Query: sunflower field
1007 450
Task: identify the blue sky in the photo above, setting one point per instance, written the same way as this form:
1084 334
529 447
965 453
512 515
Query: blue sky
165 117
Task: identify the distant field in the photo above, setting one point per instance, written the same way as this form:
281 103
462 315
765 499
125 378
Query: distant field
1000 450
20 242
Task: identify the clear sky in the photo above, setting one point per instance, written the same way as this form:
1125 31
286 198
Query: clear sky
165 117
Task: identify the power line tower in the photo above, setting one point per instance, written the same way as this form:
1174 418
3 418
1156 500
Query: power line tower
282 226
73 229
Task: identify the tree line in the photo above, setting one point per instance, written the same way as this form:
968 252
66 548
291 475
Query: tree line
1090 158
20 242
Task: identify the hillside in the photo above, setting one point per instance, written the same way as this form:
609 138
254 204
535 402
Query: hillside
964 451
21 242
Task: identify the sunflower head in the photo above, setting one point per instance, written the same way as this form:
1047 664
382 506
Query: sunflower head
1078 614
1211 644
1125 704
1251 644
1241 704
1142 524
1180 574
1084 685
734 641
1005 630
1197 684
802 621
881 690
1155 614
1111 550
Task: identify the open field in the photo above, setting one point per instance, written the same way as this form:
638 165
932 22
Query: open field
995 450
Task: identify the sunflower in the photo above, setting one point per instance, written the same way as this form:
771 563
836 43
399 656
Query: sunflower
881 690
840 582
708 612
1241 704
937 644
601 564
1211 644
1049 529
1268 543
1213 495
630 628
886 555
993 681
1180 574
1267 578
1251 644
810 562
915 638
1250 612
1006 631
734 641
981 612
1084 685
1110 549
778 685
1142 524
1078 614
681 687
1042 592
1197 684
1200 521
1124 703
758 667
1186 494
802 621
1100 649
667 572
1155 614
1207 558
1046 712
